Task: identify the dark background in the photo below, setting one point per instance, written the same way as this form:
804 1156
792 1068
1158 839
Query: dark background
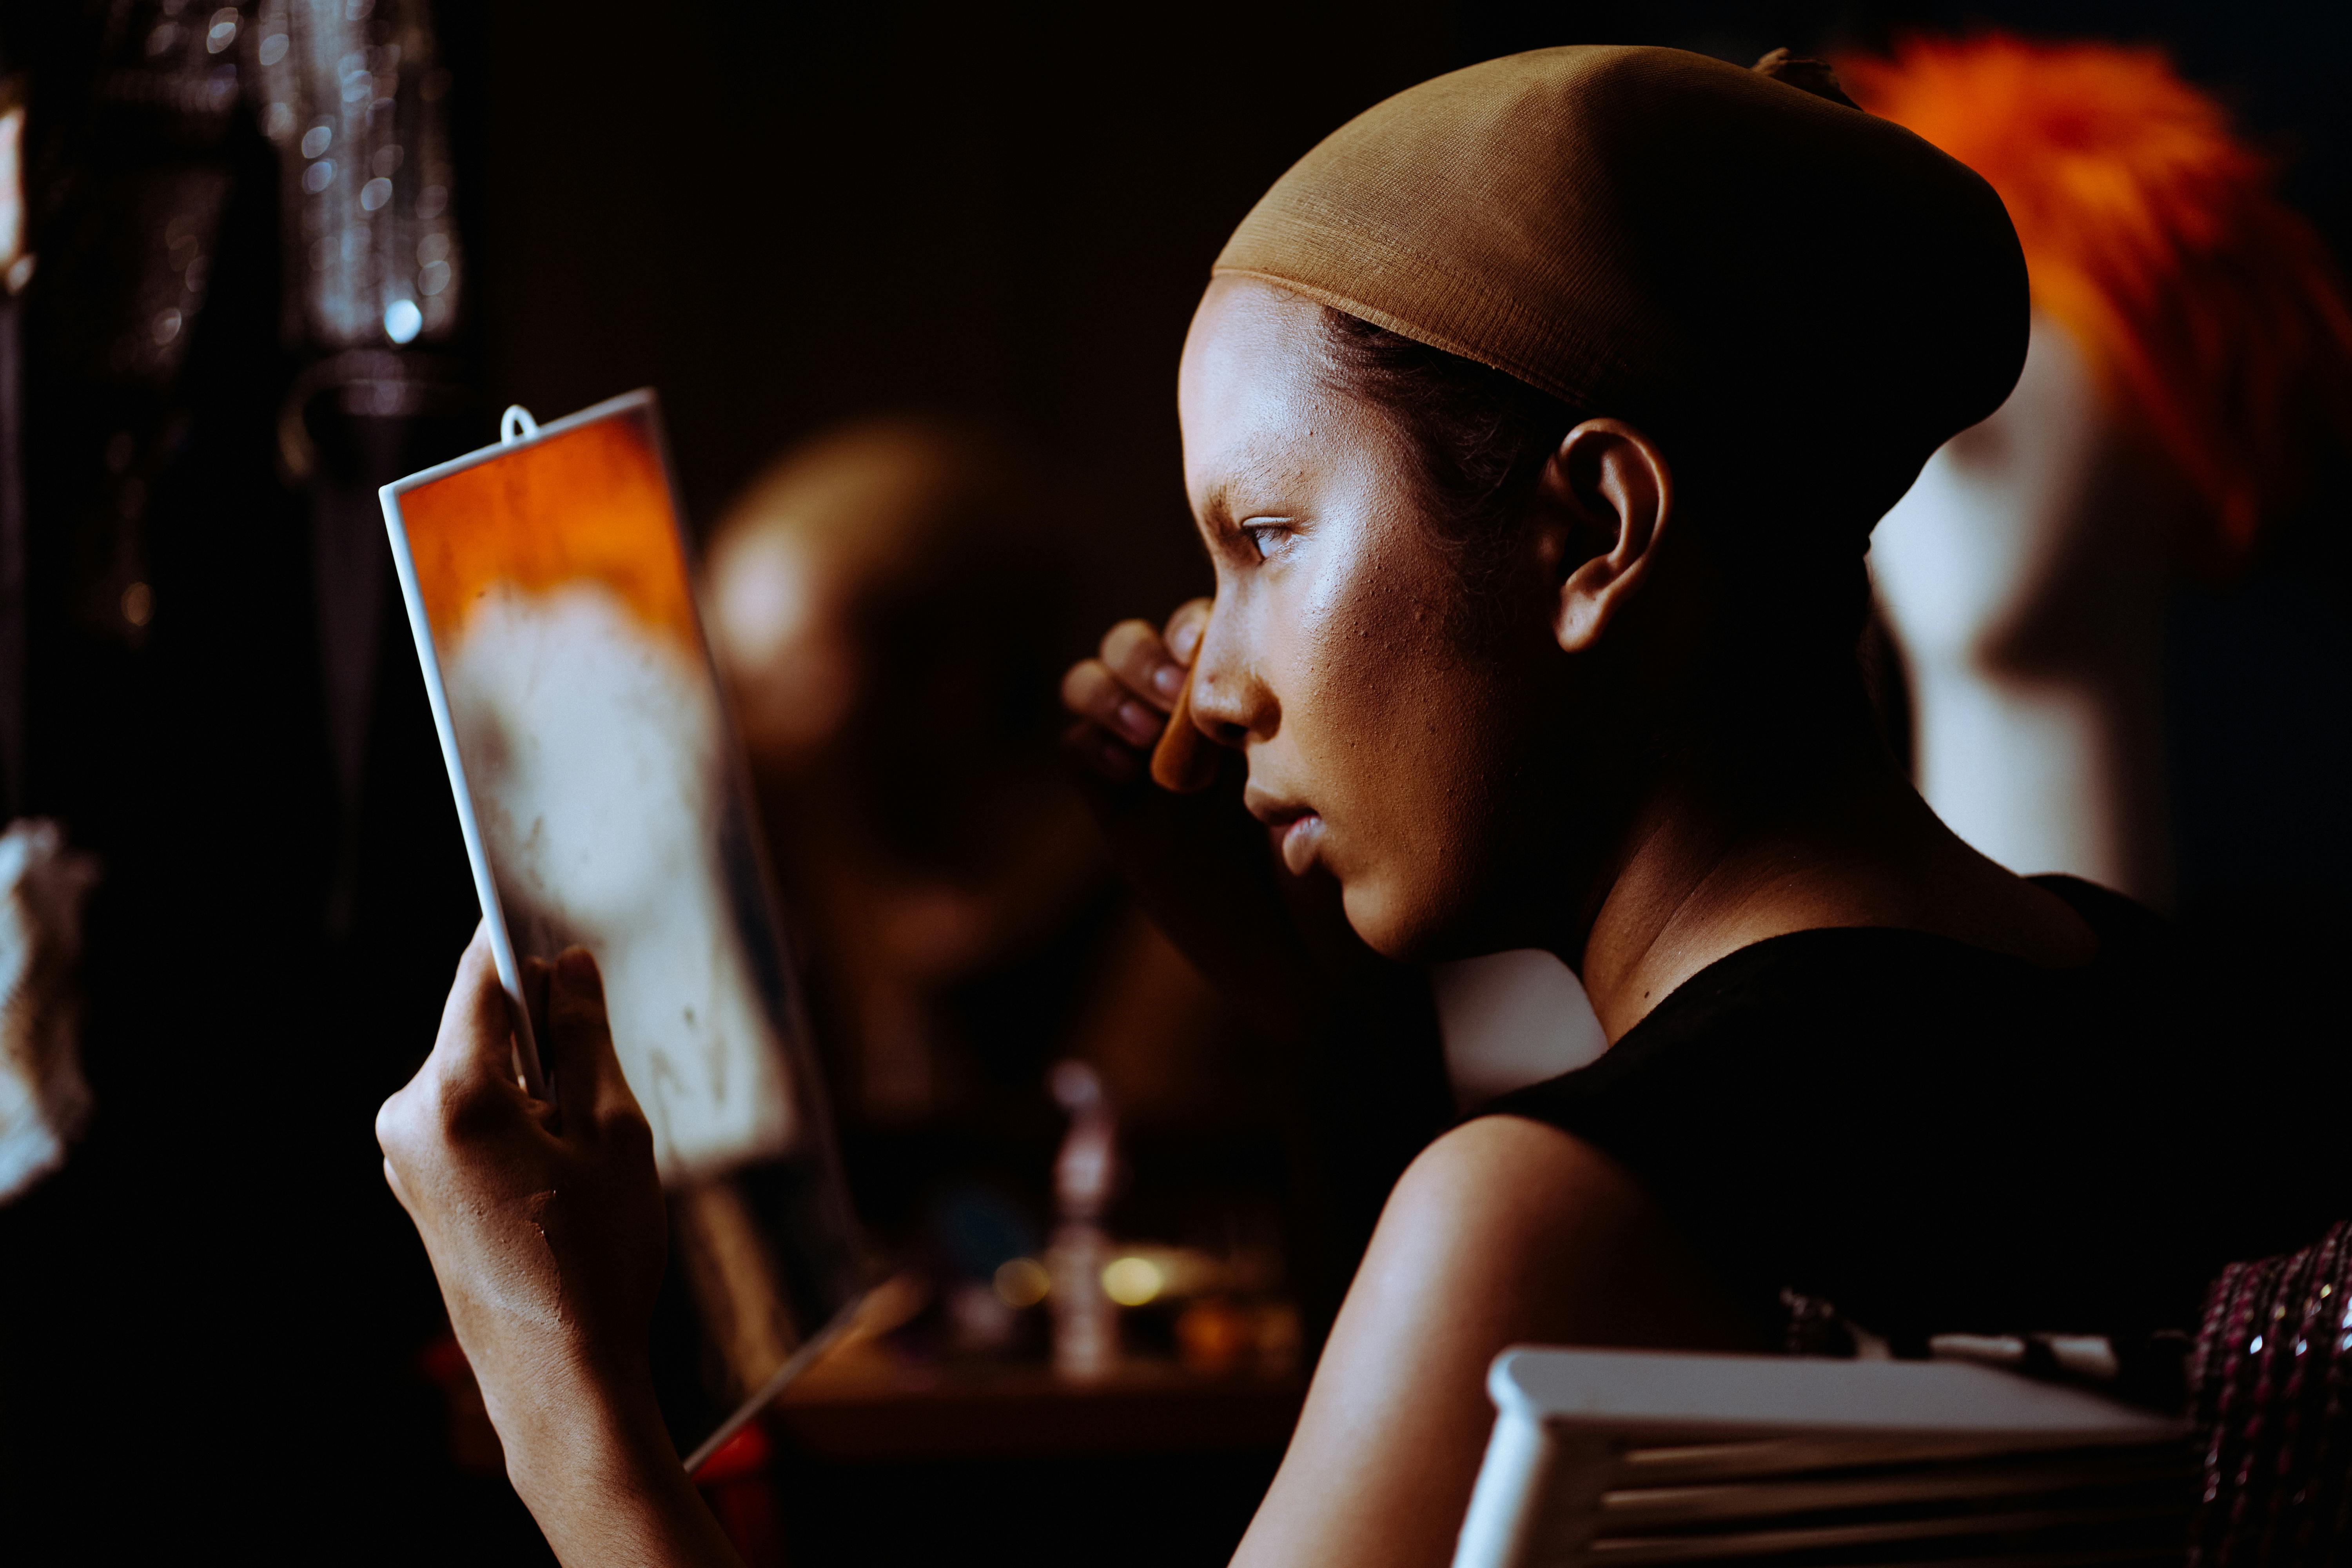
781 216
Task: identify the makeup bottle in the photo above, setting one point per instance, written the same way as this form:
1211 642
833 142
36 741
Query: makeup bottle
1086 1177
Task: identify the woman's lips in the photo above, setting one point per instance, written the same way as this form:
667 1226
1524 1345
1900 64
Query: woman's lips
1295 830
1298 839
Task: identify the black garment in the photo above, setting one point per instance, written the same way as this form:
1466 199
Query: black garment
1938 1138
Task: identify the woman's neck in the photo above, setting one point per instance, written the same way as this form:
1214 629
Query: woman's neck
1732 850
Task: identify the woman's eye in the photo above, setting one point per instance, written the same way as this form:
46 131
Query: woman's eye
1265 538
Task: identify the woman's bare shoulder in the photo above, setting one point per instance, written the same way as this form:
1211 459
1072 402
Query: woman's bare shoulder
1510 1177
1532 1231
1504 1232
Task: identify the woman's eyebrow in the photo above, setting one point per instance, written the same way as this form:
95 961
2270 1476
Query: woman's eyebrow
1250 483
1215 507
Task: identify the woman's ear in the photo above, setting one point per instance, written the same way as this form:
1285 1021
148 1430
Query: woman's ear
1601 507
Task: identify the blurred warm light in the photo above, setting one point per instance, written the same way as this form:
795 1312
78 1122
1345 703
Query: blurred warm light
1132 1281
1214 1336
1023 1282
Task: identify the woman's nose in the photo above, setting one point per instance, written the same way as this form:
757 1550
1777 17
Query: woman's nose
1229 704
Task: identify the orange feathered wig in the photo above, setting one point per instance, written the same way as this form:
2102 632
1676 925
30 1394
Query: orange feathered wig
2150 230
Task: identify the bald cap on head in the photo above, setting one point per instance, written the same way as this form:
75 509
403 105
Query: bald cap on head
1731 261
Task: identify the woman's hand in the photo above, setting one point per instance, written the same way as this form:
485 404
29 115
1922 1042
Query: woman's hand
1276 946
1198 862
1358 1033
545 1223
1122 697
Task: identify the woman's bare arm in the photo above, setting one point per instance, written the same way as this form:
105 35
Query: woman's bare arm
1504 1232
543 1221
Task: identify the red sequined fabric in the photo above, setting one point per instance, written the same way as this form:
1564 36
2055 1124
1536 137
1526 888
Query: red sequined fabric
2271 1392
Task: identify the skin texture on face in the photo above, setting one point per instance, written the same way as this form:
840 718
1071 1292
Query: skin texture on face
1379 719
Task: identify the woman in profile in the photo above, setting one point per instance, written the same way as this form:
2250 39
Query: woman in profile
1535 424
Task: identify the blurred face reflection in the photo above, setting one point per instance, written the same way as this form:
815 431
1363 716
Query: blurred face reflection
1380 727
778 623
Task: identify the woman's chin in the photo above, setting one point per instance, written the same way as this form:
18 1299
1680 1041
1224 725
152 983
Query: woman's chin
1401 928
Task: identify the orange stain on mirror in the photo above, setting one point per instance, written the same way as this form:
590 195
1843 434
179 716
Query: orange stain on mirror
485 527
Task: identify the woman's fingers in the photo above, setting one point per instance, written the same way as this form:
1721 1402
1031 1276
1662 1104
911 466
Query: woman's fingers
1091 690
476 1045
1125 693
471 1056
536 973
1136 656
589 1086
1103 755
1183 635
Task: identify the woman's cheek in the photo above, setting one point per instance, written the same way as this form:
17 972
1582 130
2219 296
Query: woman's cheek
1446 836
1387 810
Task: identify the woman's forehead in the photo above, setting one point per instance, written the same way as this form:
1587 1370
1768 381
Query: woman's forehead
1246 331
1253 388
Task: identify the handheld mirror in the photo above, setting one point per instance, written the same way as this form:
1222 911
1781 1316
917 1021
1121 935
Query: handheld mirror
603 798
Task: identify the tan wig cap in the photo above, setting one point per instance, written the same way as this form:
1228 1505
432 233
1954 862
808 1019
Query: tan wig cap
1725 259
